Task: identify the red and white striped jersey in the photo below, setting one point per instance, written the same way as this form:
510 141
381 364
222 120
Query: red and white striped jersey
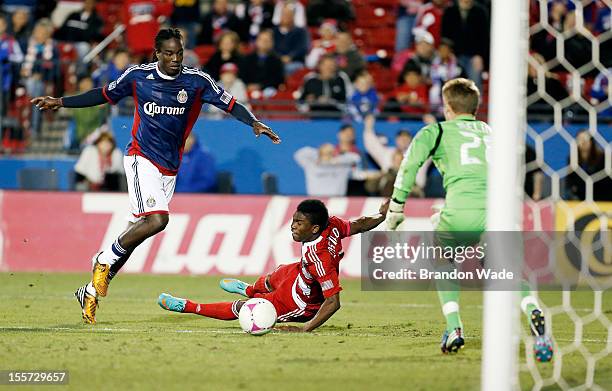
320 263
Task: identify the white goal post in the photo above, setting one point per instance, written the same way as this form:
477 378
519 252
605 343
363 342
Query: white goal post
507 118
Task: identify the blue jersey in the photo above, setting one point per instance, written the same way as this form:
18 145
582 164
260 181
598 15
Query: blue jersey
165 110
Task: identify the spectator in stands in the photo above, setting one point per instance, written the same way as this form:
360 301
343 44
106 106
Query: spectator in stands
219 19
328 89
186 15
325 45
263 69
577 47
254 16
412 95
111 71
429 18
11 58
197 173
553 87
603 22
365 99
382 184
600 92
591 160
190 57
348 57
326 174
534 177
386 156
87 119
227 51
467 25
82 28
141 20
319 10
40 71
231 83
406 17
100 166
420 58
290 42
346 140
298 9
444 67
20 27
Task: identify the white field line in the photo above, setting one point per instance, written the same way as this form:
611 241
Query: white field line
95 329
154 300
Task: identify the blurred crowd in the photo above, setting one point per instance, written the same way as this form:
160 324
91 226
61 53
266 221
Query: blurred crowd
349 59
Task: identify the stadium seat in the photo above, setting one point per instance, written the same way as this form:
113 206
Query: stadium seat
270 183
205 52
37 179
374 17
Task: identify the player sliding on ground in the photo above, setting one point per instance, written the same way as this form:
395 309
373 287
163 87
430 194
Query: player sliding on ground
305 291
457 147
167 98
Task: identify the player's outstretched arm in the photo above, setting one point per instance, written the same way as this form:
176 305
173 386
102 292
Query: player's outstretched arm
366 223
90 98
242 114
328 308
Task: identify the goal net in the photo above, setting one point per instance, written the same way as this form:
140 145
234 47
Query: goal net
568 188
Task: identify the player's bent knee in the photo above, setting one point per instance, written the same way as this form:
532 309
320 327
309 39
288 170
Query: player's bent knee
158 221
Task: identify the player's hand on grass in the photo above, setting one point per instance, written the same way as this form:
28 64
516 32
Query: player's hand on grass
47 103
395 215
260 128
289 329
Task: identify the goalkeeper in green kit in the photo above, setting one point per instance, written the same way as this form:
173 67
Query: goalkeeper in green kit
458 148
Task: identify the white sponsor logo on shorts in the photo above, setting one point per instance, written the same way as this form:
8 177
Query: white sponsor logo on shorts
151 202
152 108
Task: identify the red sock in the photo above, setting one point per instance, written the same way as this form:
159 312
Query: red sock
258 287
222 311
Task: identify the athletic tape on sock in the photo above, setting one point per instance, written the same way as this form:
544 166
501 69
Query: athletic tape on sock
528 300
450 307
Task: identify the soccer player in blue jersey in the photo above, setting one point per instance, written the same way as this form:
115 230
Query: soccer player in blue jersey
167 98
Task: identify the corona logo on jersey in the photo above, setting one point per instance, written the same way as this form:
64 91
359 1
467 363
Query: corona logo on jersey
586 248
152 108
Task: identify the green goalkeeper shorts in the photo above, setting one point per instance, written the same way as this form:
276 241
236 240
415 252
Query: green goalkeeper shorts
460 227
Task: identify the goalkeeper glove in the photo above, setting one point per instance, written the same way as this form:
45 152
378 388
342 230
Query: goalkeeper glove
395 216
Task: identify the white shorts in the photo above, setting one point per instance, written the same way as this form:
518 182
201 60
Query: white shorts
150 191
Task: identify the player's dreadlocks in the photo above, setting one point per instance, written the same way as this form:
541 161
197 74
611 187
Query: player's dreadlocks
315 211
164 35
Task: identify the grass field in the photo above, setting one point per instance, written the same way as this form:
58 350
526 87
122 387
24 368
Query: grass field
378 340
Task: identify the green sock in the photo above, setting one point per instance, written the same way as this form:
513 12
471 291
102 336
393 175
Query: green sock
528 301
448 292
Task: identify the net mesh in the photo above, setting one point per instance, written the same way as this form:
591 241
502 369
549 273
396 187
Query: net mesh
568 169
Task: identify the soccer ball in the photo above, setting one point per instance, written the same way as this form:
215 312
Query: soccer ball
257 316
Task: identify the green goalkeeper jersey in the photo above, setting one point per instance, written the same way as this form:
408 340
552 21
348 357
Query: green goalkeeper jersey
458 148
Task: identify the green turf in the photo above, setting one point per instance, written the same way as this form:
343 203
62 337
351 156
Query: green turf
378 340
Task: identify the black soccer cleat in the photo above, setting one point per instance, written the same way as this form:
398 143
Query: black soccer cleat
536 323
453 341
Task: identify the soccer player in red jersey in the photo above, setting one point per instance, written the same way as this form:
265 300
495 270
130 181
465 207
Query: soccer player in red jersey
306 291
